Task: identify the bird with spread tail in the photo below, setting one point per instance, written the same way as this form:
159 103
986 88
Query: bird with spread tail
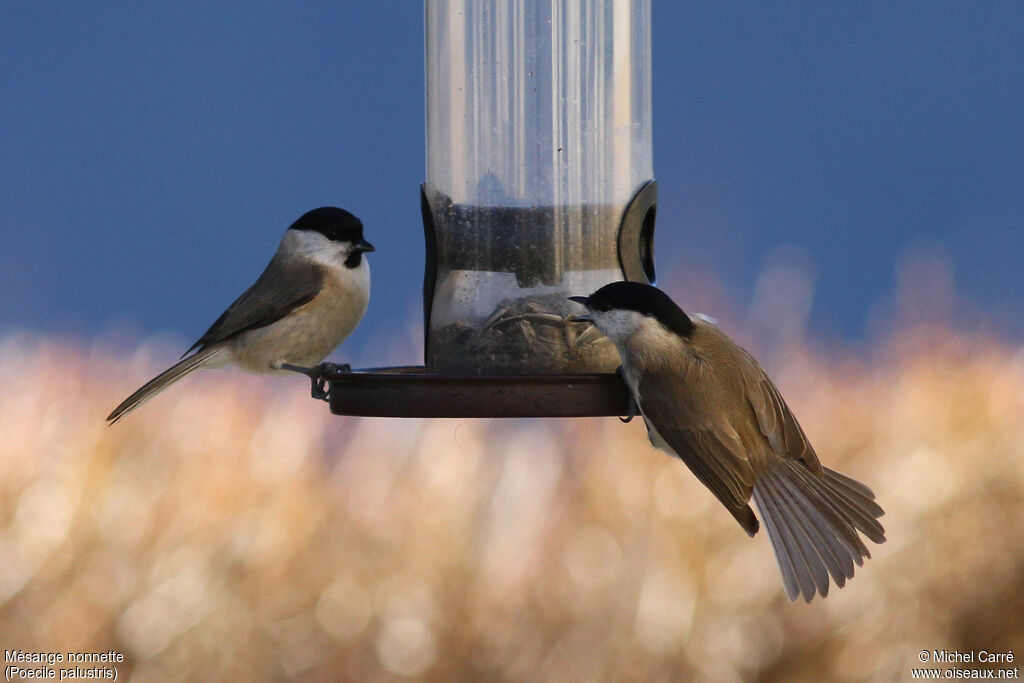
707 401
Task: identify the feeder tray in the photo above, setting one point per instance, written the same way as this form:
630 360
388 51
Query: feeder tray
414 392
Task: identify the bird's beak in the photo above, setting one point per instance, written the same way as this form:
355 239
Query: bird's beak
362 245
585 318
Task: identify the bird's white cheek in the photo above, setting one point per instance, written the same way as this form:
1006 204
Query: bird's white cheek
617 325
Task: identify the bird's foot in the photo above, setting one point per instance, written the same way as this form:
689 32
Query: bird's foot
316 376
320 388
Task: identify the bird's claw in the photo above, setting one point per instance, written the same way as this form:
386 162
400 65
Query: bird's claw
320 389
634 409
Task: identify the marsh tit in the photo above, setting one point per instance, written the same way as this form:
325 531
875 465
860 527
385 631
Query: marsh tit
309 298
707 401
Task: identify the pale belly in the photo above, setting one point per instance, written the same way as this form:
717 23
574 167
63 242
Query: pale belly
305 337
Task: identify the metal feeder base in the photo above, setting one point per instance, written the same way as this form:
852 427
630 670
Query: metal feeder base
413 392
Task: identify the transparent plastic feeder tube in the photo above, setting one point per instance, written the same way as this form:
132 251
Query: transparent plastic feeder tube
538 136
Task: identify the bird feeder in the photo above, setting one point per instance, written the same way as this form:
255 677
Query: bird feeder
538 187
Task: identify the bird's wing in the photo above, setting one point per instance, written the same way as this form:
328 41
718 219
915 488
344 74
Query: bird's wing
778 424
712 450
271 297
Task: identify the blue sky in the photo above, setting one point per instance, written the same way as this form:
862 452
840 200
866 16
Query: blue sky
152 153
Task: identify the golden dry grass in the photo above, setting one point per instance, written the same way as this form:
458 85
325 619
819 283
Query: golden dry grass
232 529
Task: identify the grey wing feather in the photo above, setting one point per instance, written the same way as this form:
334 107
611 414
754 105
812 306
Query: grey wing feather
715 458
778 424
284 285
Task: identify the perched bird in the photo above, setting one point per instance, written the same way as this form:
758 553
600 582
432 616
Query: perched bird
309 298
707 401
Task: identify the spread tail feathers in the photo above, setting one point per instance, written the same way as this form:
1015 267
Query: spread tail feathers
161 382
813 522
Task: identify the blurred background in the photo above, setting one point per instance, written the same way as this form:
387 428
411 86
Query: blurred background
842 186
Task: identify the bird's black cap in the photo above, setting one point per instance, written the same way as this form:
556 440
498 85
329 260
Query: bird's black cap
334 224
642 298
